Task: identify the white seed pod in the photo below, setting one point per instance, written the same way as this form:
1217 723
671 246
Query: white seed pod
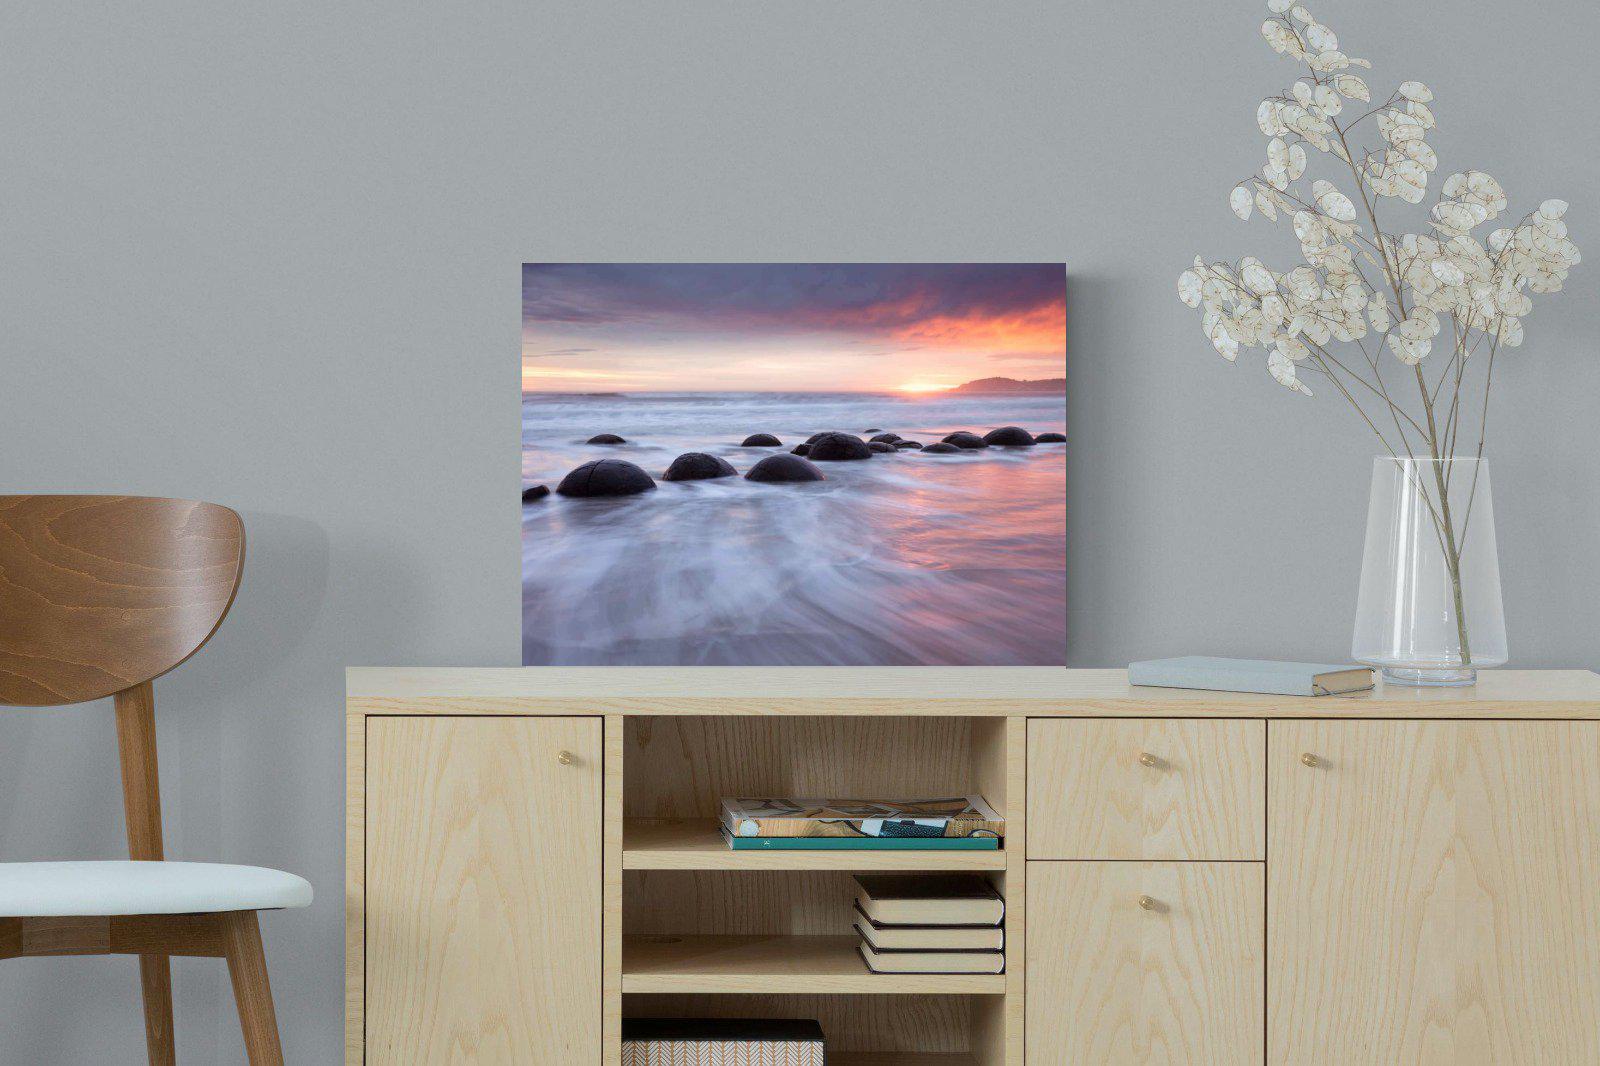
1297 162
1256 277
1415 90
1319 38
1447 272
1223 341
1265 205
1409 352
1278 153
1352 87
1282 371
1338 205
1327 100
1270 120
1553 209
1189 288
1241 202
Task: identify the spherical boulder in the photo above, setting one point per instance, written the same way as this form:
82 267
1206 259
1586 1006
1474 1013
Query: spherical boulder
835 447
606 477
1009 437
885 438
1050 438
963 439
870 429
880 446
761 440
800 449
911 445
940 449
535 492
605 438
784 468
818 436
698 466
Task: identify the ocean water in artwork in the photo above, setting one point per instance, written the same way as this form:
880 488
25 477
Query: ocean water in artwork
905 558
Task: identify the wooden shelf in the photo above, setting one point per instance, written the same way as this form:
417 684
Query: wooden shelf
695 844
821 964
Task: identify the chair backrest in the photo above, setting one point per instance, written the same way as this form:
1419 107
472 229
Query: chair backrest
102 593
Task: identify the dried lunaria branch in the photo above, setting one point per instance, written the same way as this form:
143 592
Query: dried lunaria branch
1440 297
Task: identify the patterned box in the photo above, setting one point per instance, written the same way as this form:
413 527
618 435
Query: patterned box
721 1042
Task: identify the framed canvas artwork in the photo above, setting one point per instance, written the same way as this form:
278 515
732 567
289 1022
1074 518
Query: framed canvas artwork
794 464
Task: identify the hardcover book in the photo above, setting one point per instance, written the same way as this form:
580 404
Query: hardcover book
1250 675
859 843
721 1042
929 899
932 961
957 818
929 937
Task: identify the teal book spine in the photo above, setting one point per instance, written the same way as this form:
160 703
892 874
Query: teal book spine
862 843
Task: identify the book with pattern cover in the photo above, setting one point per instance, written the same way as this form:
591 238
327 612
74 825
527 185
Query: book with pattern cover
978 843
721 1042
927 819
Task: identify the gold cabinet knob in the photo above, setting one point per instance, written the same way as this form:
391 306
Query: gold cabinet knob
1310 759
1146 759
1149 903
566 758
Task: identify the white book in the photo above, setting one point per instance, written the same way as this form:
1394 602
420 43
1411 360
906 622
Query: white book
1251 675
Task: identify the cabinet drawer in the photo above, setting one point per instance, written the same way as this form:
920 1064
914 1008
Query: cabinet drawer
1145 962
1161 789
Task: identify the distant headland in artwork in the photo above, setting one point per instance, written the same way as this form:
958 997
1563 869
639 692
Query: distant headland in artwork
1041 386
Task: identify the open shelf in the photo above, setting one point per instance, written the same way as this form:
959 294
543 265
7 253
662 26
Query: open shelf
696 844
774 963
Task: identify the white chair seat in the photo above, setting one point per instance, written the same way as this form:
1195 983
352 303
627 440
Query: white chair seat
80 889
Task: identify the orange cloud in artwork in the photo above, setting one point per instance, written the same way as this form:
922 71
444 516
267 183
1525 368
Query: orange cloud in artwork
789 327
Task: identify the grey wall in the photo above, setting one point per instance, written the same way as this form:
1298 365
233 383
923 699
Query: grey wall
267 255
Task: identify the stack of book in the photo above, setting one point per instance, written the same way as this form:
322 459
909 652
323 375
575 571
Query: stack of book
930 923
719 1042
768 823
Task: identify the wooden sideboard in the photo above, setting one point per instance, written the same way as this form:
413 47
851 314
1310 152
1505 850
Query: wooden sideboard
1402 876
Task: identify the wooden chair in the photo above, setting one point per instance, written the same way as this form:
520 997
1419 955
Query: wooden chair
99 595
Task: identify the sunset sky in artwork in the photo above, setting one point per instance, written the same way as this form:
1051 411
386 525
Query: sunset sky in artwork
788 327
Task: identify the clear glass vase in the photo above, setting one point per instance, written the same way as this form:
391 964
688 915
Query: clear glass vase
1429 611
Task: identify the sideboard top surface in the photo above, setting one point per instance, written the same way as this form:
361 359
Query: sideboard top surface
1039 691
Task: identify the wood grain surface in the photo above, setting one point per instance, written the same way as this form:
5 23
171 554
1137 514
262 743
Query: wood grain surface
1433 892
101 593
1091 797
483 866
1036 691
1111 982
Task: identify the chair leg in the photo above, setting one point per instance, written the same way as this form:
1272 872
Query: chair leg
247 965
155 983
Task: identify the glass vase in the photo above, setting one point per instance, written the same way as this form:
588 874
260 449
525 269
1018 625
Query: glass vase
1429 610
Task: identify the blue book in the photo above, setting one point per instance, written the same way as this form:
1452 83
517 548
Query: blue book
1250 675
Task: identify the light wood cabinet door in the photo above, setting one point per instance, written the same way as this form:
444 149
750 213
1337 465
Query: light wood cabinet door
1146 789
1434 892
1145 962
483 885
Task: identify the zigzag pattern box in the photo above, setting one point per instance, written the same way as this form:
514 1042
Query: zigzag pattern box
719 1042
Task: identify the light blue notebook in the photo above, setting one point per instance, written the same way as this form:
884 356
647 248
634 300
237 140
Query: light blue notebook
1250 675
